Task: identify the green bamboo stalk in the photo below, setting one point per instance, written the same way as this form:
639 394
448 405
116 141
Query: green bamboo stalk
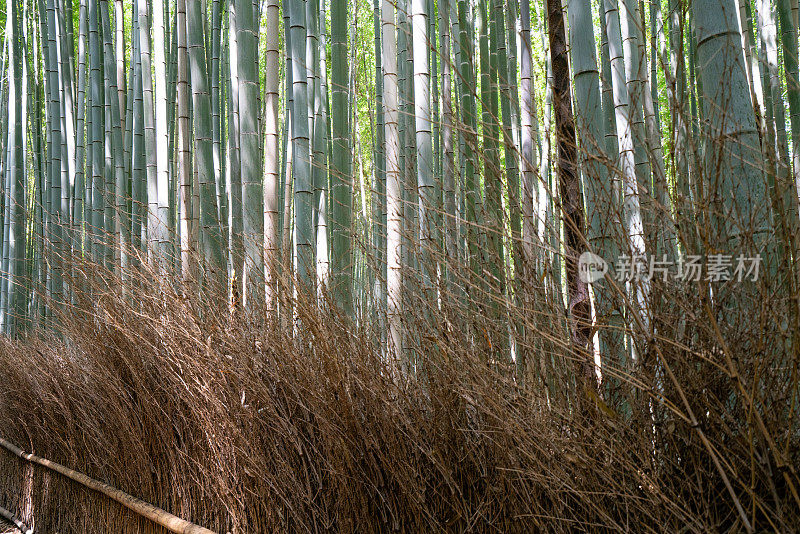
272 161
288 185
109 96
677 91
730 127
171 52
121 218
216 113
188 220
211 239
301 165
252 188
509 128
65 69
55 233
494 251
786 12
437 214
128 129
234 165
598 186
78 218
490 166
119 52
341 181
138 176
448 163
150 149
15 170
664 230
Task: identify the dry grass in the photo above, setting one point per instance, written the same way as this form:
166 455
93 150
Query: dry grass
245 425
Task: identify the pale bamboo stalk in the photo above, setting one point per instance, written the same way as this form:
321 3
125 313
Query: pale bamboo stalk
422 126
252 188
188 224
161 130
448 162
78 195
215 37
150 149
379 183
55 132
272 160
65 50
234 166
13 519
144 509
138 176
119 51
394 208
15 171
469 137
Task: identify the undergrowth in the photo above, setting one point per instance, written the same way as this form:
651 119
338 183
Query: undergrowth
297 422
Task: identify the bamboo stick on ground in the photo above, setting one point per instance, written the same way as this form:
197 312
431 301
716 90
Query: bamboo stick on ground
153 513
13 519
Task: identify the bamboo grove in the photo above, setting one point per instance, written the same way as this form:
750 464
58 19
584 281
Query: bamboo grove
430 177
404 158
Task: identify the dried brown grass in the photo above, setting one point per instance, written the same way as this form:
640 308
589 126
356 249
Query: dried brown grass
245 424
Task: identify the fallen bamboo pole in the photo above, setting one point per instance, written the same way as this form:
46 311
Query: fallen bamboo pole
157 515
17 523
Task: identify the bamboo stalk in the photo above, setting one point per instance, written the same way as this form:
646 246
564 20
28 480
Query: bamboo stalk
153 513
13 519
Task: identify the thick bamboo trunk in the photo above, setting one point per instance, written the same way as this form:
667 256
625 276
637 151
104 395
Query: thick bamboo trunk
301 164
571 199
448 161
15 171
188 224
341 175
55 175
271 157
394 188
213 255
234 165
252 187
424 153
